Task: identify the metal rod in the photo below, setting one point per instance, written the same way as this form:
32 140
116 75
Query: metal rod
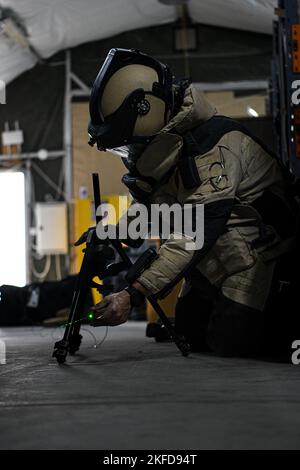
97 196
68 161
83 87
28 197
30 156
68 129
233 86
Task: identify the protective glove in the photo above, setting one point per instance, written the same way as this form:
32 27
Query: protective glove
113 310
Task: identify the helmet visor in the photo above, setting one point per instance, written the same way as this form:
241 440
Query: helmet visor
129 152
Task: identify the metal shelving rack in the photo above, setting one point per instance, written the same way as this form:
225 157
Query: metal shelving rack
285 71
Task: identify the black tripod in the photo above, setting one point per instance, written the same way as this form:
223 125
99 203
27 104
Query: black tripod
97 261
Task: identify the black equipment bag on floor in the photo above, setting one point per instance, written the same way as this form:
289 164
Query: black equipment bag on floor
34 303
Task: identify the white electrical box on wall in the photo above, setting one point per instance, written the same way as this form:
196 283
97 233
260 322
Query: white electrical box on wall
12 138
51 228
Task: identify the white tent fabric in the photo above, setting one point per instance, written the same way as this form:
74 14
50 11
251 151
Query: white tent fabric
252 15
54 25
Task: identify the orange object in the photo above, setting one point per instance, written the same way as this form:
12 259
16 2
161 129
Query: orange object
168 305
296 47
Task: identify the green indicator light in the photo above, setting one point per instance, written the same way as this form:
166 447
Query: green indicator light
91 316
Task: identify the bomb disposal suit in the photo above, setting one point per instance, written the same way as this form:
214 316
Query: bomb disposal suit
178 149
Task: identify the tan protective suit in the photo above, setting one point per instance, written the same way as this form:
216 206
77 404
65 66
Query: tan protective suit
236 168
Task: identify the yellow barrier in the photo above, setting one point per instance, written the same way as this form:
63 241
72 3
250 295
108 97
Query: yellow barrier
83 219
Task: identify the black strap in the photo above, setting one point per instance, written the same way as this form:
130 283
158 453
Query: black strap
206 136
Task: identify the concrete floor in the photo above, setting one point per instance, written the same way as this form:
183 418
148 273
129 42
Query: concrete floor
132 393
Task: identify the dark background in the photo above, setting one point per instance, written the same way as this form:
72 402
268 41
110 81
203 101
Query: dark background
36 98
223 55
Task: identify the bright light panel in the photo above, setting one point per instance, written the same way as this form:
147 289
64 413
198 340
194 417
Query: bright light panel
12 229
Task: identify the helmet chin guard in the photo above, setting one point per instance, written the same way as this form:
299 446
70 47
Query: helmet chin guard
132 99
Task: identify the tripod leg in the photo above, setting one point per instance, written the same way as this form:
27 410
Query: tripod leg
72 339
180 341
76 337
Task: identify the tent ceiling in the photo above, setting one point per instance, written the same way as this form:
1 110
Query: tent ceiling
54 25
